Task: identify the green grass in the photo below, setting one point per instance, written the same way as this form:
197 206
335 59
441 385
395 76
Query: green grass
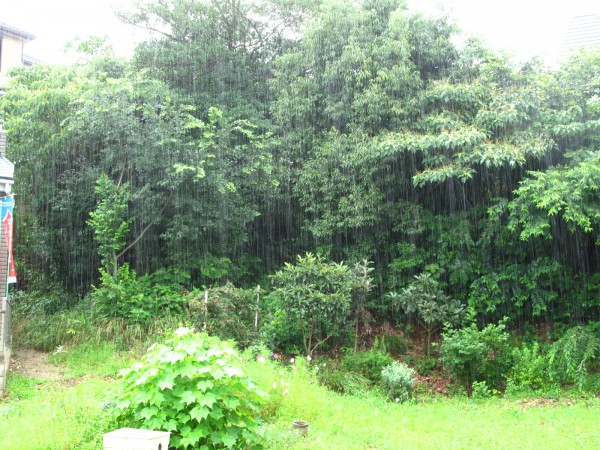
42 414
63 414
352 423
369 421
69 413
101 359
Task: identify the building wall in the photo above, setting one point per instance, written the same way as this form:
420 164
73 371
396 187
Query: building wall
11 54
583 33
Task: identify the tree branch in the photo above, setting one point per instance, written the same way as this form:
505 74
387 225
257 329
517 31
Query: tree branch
146 228
326 337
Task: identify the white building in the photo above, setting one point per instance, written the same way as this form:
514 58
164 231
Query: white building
12 43
583 33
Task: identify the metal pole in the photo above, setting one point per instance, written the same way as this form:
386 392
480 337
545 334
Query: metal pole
257 306
205 309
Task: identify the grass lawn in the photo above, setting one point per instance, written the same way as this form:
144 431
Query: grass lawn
68 413
371 422
352 423
49 414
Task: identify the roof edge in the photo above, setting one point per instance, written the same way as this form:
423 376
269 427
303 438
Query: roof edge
9 29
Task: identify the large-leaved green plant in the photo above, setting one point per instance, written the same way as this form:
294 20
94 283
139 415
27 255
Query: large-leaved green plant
193 386
316 295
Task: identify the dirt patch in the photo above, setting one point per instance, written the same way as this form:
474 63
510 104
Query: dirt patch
33 363
437 382
531 403
547 402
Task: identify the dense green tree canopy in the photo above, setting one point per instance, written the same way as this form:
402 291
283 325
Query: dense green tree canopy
217 50
246 132
137 132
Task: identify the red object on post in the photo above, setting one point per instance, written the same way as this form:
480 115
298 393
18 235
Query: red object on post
7 227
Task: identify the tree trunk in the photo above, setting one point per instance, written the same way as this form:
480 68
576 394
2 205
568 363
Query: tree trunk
115 265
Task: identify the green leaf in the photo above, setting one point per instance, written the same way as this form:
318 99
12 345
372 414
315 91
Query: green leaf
188 397
148 412
231 402
199 413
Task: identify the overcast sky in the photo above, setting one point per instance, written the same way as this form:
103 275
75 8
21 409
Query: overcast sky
524 28
57 22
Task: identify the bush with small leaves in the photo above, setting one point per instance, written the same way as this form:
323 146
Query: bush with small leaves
471 355
140 299
228 313
530 368
338 379
316 295
398 381
120 295
277 330
425 366
370 363
425 298
481 390
192 386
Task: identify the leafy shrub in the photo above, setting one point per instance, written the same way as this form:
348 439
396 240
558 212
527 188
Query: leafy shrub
140 300
397 380
370 363
396 344
573 356
481 390
362 285
215 270
425 298
426 365
592 383
316 295
530 368
594 327
277 330
122 296
229 313
166 290
516 287
472 355
192 386
339 379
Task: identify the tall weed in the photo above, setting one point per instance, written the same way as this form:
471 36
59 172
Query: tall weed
369 364
530 368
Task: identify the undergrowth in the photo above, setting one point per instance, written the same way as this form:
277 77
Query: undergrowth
57 415
43 414
33 328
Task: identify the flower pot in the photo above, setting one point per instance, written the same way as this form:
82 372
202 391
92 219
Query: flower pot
135 439
301 426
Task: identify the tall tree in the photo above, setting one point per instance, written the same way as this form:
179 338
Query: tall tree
192 184
218 50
